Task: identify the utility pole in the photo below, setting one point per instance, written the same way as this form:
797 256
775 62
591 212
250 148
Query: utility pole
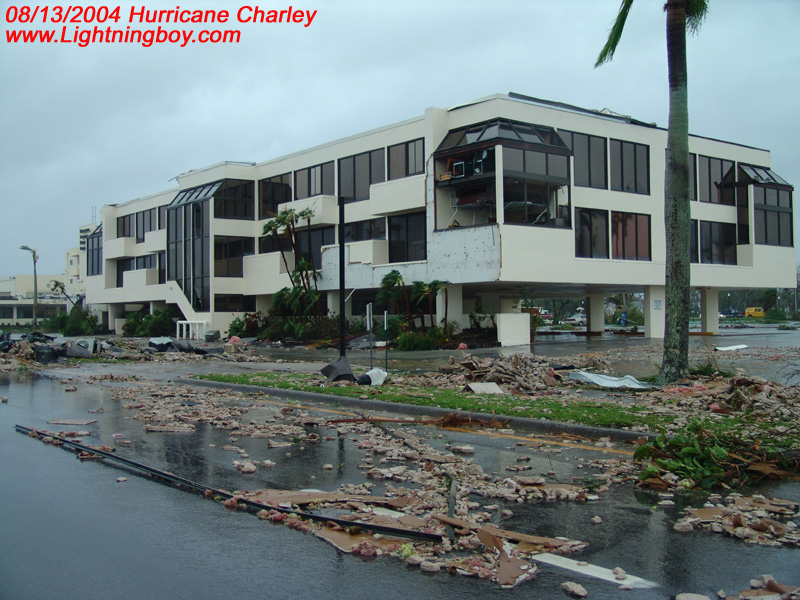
35 284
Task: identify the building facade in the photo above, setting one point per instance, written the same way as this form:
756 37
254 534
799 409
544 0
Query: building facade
504 198
17 299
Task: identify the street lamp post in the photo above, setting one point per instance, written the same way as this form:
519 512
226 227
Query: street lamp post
35 284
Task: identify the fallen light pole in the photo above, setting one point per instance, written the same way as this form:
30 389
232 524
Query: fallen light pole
210 491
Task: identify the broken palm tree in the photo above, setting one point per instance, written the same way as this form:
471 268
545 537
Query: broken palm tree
700 458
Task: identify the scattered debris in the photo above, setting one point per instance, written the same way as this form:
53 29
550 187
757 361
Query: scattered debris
629 381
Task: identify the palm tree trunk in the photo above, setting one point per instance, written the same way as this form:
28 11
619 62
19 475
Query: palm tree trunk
675 363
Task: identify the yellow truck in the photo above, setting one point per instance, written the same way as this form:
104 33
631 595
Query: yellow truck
754 311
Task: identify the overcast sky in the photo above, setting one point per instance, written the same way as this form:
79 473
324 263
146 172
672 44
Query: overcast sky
86 127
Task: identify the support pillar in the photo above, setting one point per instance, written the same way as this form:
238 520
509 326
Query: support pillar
333 304
709 310
455 306
595 313
655 300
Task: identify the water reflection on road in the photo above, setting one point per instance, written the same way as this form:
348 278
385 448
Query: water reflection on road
72 531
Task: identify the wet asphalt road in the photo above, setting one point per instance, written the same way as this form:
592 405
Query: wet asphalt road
76 532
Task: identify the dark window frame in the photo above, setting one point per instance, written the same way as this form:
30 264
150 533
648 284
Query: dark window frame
405 242
352 174
708 184
317 180
620 167
620 232
272 192
591 241
410 156
592 175
773 216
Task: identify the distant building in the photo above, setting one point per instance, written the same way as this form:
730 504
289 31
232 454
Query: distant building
505 197
16 299
75 266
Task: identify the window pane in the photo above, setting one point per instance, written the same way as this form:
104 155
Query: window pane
628 168
536 162
705 182
643 237
616 164
377 166
581 150
598 162
557 165
617 235
362 176
346 181
301 184
328 179
785 229
642 169
416 157
513 159
397 161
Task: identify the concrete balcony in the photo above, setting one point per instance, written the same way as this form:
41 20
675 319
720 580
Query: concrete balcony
119 248
266 273
370 252
325 209
398 195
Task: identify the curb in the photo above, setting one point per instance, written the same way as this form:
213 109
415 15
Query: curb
532 425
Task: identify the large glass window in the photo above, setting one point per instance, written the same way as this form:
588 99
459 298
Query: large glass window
407 159
535 187
273 192
310 243
229 253
235 200
772 211
314 181
591 233
630 167
590 159
717 243
630 236
125 226
188 247
94 253
234 303
372 229
711 172
358 172
407 238
123 265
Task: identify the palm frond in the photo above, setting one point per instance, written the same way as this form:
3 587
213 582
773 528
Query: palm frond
615 34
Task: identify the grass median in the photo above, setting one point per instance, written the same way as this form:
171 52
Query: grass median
585 412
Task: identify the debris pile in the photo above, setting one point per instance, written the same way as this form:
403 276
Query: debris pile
754 519
523 372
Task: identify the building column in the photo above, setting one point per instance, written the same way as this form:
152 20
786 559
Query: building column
498 184
115 317
709 310
654 311
455 306
333 304
595 313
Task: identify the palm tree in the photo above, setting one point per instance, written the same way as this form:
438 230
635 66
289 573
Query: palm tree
393 291
681 15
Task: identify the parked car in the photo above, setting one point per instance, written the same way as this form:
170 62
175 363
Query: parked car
578 319
754 311
730 313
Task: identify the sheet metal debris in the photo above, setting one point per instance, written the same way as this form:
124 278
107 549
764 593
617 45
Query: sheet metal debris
628 381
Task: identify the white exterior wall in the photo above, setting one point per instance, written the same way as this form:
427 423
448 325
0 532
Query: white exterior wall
491 255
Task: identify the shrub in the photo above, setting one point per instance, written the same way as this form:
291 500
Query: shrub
143 325
774 315
414 340
57 322
251 325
